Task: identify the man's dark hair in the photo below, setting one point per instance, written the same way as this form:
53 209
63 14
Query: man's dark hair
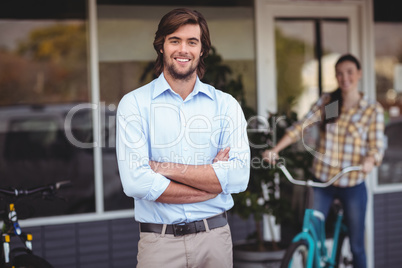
173 21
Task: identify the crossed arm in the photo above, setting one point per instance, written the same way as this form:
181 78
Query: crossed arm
189 183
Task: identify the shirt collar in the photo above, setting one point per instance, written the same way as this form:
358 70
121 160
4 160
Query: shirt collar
161 85
363 101
203 88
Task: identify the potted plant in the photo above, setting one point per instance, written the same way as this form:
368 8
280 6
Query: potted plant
268 193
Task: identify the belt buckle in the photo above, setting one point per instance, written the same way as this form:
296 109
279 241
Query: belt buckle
180 229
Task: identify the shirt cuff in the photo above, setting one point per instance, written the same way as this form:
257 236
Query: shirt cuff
221 170
158 187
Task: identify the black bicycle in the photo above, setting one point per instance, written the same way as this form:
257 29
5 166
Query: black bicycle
21 256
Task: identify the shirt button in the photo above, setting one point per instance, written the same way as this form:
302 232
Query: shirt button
189 214
185 148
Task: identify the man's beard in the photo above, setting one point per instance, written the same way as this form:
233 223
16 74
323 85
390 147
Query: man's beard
170 68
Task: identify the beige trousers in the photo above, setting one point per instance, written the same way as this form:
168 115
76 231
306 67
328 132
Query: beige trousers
211 249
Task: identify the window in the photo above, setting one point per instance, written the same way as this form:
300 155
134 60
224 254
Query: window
306 52
43 75
44 138
388 70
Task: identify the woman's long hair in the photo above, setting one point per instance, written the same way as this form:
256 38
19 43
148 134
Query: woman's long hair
336 95
173 21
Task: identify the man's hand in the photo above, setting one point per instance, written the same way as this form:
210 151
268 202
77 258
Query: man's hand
154 165
222 155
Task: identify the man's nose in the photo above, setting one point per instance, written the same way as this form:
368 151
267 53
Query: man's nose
183 47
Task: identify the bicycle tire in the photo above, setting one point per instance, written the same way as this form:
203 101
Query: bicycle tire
30 261
344 257
296 255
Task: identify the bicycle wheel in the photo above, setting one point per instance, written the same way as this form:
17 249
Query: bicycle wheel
344 256
30 261
296 255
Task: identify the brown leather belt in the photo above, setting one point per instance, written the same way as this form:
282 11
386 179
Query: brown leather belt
185 228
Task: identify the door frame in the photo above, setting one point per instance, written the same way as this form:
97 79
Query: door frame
360 40
361 44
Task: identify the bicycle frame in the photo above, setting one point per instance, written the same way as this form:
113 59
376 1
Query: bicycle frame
315 237
313 231
11 228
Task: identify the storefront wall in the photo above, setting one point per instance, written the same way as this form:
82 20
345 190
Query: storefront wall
106 60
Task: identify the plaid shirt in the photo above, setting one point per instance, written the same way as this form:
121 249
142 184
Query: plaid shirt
356 134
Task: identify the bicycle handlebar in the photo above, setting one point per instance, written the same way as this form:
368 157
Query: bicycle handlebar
317 184
26 192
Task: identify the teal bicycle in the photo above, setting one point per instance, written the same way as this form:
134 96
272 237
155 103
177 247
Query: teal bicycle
308 248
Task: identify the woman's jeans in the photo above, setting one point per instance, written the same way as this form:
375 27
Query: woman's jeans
354 203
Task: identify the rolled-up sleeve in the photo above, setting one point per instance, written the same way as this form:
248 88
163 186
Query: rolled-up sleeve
234 174
137 178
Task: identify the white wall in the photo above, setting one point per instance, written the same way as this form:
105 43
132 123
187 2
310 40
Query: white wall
126 33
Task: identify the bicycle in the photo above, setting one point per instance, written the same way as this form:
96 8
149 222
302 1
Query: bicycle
21 257
308 248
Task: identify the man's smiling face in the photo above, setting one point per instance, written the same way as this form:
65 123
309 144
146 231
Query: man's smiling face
182 51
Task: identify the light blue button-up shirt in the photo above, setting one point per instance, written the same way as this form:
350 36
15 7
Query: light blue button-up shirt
155 123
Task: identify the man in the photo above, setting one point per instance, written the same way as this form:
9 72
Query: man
182 151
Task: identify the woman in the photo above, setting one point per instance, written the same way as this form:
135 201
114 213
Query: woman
351 133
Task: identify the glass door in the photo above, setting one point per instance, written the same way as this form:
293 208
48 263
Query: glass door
297 44
306 50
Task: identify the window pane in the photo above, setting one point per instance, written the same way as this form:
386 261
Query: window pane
297 69
334 44
297 65
298 75
388 67
43 75
125 51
